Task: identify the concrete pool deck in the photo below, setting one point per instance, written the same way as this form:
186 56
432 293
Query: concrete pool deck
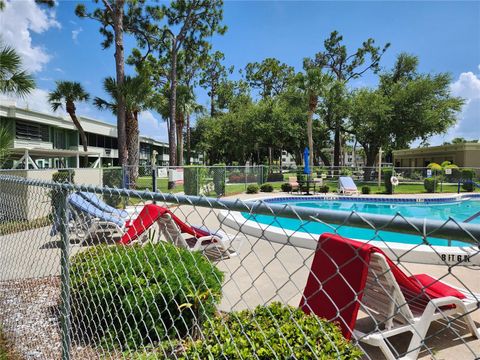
263 272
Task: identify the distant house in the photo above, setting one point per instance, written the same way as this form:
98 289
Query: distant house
43 140
463 155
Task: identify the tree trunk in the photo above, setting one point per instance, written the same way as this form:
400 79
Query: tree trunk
180 123
70 106
325 159
312 105
120 69
173 107
212 102
189 155
371 154
336 147
133 146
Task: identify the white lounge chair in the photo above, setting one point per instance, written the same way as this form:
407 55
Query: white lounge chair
395 312
347 186
215 246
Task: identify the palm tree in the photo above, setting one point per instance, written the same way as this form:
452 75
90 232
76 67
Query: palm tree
70 92
136 92
313 84
5 145
13 80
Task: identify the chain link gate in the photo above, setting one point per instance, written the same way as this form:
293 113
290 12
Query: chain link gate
189 278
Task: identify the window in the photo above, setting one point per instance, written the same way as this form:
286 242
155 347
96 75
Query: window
25 130
92 139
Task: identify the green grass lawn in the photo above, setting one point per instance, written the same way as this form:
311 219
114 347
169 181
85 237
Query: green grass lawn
145 182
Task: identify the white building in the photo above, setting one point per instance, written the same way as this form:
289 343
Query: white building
47 141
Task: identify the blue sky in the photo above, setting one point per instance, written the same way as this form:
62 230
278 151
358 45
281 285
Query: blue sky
445 35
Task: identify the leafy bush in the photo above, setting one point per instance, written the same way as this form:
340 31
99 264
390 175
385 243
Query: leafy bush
133 296
193 178
387 174
324 189
346 172
467 176
219 180
430 184
275 177
266 188
252 189
271 332
62 176
112 178
366 190
286 187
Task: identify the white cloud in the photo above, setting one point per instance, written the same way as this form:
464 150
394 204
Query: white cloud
75 34
468 87
18 19
37 100
152 127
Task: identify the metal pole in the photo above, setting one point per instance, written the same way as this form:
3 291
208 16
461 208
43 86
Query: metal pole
379 167
65 320
154 181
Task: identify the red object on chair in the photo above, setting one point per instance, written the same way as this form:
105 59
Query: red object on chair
148 216
338 276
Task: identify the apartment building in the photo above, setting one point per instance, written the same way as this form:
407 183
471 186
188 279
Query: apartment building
43 140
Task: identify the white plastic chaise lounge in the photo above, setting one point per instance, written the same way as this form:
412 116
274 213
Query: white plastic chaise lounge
347 276
215 245
91 222
347 186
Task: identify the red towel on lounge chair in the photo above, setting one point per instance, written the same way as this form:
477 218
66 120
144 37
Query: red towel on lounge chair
338 276
147 217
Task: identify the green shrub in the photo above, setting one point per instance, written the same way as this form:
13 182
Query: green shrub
193 178
430 184
252 189
62 176
269 332
266 188
130 296
346 172
219 180
324 189
275 177
366 190
387 174
113 179
467 176
286 187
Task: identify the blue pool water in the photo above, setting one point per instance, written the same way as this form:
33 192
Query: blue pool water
458 210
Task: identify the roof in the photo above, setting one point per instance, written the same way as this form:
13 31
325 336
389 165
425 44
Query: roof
10 110
51 153
475 146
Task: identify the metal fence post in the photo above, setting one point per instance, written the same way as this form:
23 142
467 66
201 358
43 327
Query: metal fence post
154 181
65 320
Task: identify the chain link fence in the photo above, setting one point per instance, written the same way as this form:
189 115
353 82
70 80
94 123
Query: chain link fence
91 272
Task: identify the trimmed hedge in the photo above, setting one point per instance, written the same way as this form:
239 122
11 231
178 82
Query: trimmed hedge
366 190
430 185
287 187
266 188
387 174
269 332
275 177
324 189
467 176
112 178
252 189
129 296
219 180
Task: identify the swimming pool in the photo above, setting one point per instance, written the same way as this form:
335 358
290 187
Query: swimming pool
459 210
288 230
